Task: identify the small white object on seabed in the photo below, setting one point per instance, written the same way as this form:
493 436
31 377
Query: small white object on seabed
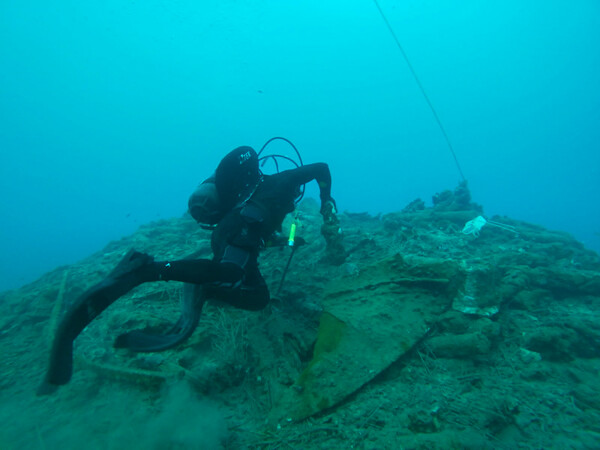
474 226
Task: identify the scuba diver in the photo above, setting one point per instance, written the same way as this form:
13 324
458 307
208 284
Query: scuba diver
245 209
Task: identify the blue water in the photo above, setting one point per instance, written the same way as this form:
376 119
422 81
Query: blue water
112 111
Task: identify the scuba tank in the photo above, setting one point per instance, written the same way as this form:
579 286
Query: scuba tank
232 184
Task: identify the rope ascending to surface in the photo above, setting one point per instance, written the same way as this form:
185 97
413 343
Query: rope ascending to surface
414 74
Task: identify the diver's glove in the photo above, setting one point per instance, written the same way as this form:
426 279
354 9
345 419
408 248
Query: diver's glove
329 210
331 231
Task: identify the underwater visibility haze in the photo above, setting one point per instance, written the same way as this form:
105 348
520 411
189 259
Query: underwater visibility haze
111 112
413 328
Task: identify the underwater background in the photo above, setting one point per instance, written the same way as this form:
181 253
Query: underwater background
111 112
424 337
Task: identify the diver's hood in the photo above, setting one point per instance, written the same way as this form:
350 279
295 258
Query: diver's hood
237 176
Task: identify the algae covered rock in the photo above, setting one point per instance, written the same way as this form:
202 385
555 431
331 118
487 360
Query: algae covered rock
369 321
462 342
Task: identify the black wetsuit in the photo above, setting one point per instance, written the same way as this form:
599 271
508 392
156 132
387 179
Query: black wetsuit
233 275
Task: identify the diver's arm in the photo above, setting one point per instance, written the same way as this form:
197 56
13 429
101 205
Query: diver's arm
331 231
317 171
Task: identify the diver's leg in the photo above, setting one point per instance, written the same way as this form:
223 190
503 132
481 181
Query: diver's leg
227 274
198 271
253 295
147 341
134 269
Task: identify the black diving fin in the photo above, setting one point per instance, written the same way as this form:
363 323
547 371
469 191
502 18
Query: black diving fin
129 273
144 341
